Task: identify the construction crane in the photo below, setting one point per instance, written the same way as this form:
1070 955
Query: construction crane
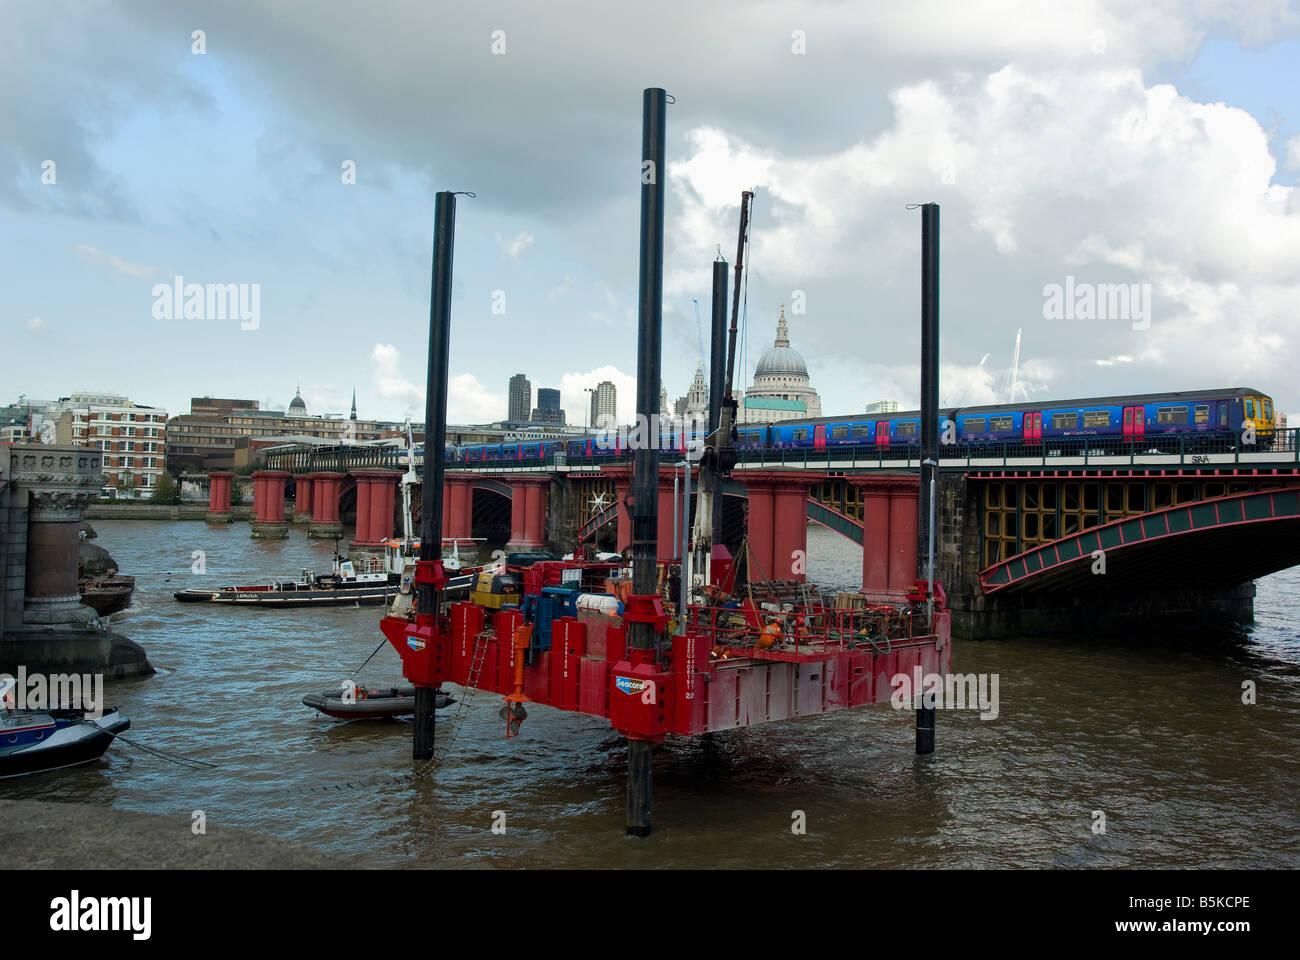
718 457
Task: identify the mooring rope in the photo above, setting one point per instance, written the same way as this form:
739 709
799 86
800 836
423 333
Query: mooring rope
161 754
382 643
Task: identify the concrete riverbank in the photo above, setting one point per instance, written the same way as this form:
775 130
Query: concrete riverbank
36 834
144 510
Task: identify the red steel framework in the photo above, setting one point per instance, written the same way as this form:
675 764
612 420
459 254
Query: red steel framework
717 675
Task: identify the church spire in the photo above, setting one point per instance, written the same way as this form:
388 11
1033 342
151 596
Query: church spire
354 403
782 334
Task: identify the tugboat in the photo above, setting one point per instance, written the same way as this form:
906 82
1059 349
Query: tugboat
400 557
344 585
34 741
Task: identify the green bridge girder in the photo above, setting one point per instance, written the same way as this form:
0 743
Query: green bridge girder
1225 540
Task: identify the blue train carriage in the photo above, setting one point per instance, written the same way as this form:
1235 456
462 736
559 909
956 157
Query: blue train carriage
1201 420
901 430
1168 422
1224 419
1212 419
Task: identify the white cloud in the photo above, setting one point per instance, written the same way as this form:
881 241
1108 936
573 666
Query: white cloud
561 288
1293 153
35 324
125 267
1041 172
514 248
392 385
577 403
468 401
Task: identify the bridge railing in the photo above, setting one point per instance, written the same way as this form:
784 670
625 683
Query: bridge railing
1282 446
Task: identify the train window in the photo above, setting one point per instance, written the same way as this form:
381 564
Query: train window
1250 407
1268 409
905 428
1201 413
1171 414
1000 424
840 433
975 425
1065 421
1096 418
861 432
1223 414
801 434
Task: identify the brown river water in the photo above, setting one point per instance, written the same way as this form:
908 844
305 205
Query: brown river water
1155 737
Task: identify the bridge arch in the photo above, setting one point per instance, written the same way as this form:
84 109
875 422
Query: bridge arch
1224 541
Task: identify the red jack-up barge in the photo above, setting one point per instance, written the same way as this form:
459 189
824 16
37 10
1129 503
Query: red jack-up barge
729 663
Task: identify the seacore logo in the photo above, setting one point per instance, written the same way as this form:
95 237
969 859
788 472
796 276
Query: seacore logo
628 685
415 643
632 686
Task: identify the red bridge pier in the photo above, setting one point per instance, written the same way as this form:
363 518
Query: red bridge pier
268 505
325 523
376 496
778 523
219 497
889 536
527 512
302 484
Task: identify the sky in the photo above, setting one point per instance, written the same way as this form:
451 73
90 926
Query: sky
1070 146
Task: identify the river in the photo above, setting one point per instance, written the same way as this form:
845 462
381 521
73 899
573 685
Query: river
1155 737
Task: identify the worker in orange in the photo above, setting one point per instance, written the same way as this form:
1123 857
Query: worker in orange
770 635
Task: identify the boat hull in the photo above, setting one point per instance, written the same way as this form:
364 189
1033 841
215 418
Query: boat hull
68 746
374 705
289 598
107 595
457 589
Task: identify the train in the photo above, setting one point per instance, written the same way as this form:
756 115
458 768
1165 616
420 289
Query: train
1224 419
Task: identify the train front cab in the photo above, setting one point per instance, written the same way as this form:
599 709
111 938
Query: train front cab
1257 412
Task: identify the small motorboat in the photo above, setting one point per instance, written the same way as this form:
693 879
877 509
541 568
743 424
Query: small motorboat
373 703
34 741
